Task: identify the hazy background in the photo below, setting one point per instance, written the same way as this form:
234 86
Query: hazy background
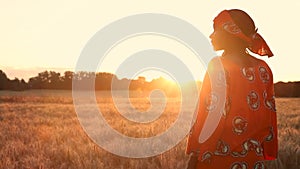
39 35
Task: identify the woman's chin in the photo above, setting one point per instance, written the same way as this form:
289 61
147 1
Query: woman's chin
216 48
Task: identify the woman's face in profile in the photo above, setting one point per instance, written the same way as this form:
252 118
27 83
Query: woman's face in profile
217 39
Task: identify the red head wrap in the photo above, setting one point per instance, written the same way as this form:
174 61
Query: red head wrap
256 43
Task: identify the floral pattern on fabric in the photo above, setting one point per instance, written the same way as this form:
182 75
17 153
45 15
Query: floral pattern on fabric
269 102
259 165
211 102
270 137
227 107
248 73
239 125
239 165
249 145
222 148
206 157
263 74
222 78
253 100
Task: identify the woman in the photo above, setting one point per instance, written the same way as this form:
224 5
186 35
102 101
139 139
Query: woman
236 125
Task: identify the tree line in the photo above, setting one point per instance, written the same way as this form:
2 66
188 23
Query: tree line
56 81
289 89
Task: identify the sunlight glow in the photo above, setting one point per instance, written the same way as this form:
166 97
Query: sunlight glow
51 34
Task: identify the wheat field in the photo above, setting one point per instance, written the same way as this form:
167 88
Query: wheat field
40 129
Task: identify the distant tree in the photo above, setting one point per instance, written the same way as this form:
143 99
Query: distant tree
34 83
122 84
39 82
23 84
296 89
3 81
290 89
43 79
15 85
103 81
54 80
67 80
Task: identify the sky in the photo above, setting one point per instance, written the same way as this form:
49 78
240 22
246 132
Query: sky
50 35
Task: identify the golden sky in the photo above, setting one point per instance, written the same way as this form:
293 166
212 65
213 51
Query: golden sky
38 35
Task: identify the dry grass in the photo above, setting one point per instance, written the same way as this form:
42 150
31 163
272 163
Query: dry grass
288 115
39 129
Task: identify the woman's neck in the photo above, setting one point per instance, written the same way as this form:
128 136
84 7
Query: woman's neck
239 56
235 52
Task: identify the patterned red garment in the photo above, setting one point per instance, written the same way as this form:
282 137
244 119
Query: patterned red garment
246 133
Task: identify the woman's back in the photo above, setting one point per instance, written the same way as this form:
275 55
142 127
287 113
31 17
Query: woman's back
250 103
246 128
236 124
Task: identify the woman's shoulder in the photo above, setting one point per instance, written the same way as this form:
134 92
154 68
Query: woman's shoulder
260 63
263 68
215 63
215 60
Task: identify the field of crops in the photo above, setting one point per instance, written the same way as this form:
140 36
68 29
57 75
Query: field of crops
40 129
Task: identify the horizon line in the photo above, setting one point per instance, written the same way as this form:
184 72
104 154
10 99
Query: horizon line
26 73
